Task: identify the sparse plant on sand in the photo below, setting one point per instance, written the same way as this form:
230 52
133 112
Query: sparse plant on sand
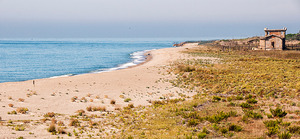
60 123
12 112
21 100
49 114
73 99
81 112
89 108
96 108
11 105
19 128
53 121
122 96
101 108
74 122
127 99
130 105
113 102
52 129
22 110
83 99
60 130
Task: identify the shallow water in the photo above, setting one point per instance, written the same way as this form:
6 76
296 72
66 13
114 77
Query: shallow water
22 59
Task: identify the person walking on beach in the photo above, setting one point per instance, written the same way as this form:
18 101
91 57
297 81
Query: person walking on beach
33 82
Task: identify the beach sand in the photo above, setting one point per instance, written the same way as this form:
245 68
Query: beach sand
141 84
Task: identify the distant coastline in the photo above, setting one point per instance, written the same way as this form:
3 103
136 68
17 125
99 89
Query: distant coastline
53 59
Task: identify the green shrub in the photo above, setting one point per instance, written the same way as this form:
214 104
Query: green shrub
272 131
249 96
286 124
278 112
246 105
252 101
224 130
193 115
284 135
204 130
257 116
232 114
245 119
215 126
127 99
216 98
192 122
294 129
269 115
271 123
187 137
217 117
236 128
232 104
253 115
158 103
229 99
238 97
201 135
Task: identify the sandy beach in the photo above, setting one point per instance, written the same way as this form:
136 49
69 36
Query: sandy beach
65 95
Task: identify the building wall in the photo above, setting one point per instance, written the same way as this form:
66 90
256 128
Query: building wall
276 33
277 42
262 44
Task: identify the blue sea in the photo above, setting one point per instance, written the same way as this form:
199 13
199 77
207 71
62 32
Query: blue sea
26 59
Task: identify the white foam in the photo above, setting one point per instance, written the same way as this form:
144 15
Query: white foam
137 58
61 76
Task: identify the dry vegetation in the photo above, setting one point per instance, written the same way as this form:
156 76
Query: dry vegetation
244 94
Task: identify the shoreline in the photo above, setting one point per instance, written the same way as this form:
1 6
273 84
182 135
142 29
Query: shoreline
147 57
141 84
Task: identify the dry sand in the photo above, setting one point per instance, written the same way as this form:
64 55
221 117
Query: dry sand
140 83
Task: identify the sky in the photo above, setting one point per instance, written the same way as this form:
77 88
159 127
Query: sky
145 18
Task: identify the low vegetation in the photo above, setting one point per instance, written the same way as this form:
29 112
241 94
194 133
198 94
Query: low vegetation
240 94
293 36
22 110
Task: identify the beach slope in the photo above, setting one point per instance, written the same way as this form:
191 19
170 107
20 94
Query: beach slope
65 95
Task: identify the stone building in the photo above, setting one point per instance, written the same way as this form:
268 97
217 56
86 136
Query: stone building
274 39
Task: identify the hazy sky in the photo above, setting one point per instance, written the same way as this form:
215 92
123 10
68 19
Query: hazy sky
145 18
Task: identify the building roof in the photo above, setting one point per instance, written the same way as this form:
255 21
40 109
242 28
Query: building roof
266 37
275 30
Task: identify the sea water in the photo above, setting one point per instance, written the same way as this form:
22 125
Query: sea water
26 59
